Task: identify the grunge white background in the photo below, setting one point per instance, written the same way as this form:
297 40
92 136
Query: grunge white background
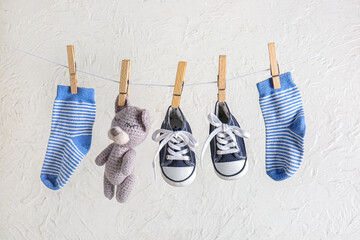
320 202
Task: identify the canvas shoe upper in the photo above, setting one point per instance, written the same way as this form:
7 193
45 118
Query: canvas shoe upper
226 142
176 149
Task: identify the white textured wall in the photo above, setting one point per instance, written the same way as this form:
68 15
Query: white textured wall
320 202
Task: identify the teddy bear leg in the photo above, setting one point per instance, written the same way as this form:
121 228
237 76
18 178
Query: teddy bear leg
124 189
108 188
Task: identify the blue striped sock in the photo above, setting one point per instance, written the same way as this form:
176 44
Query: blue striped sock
70 137
285 126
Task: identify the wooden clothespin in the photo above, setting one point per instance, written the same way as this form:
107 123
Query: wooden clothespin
222 79
72 68
274 66
179 83
124 82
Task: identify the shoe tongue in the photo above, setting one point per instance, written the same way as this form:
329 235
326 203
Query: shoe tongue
223 113
176 120
176 128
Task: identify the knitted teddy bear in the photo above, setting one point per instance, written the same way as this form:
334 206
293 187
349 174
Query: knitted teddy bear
128 129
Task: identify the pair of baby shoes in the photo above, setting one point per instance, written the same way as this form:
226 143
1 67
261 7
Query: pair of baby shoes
176 149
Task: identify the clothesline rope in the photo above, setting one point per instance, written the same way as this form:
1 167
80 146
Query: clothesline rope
171 85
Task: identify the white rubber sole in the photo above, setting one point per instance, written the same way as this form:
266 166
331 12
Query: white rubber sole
185 183
237 176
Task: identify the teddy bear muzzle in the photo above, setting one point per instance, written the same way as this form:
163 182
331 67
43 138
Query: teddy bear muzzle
118 135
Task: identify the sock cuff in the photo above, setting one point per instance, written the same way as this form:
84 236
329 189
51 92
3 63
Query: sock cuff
266 87
86 95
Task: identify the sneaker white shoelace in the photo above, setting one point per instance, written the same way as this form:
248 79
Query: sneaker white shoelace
176 140
225 136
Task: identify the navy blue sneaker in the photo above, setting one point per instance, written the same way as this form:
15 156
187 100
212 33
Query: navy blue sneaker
227 145
176 149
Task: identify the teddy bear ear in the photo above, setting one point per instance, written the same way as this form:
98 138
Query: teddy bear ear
119 108
145 117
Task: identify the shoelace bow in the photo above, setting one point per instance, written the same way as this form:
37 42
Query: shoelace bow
225 136
177 140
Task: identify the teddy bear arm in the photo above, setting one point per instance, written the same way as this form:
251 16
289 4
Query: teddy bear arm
103 156
109 188
128 162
